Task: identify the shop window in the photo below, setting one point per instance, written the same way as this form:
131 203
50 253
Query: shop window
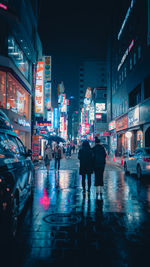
147 87
2 89
18 99
18 57
135 96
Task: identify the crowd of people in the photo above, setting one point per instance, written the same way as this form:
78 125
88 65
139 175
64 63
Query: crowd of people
92 160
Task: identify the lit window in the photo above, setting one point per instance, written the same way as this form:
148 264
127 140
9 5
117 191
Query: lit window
18 57
2 89
18 99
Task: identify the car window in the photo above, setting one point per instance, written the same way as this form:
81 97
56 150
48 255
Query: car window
4 143
13 147
21 147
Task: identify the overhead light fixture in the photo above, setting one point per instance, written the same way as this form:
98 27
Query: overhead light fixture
14 53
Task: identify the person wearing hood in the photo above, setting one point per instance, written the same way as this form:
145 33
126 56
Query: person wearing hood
86 168
99 161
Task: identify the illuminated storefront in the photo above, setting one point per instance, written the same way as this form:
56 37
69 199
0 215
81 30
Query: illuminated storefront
15 102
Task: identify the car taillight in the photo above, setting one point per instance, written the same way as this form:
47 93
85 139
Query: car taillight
146 159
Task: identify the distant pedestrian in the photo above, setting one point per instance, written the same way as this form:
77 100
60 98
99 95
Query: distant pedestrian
58 155
48 156
85 157
99 161
73 148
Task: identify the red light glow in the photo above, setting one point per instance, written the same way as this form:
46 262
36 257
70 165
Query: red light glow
98 116
3 6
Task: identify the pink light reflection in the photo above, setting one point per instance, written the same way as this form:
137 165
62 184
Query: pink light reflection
45 200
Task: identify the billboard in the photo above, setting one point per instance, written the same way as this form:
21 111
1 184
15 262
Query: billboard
100 107
47 68
39 88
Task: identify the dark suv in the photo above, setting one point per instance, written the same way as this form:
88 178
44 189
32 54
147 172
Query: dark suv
16 175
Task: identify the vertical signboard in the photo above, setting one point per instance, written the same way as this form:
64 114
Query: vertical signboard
39 89
35 145
55 118
48 95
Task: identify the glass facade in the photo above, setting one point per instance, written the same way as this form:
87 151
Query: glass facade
18 57
18 99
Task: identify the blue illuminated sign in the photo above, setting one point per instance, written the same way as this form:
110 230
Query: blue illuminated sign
55 118
126 18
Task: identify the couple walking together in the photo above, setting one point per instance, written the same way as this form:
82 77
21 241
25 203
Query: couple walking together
92 159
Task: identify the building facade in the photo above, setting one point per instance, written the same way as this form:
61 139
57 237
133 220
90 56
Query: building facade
92 74
18 55
129 78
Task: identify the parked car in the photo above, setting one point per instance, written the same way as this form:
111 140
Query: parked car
139 162
16 174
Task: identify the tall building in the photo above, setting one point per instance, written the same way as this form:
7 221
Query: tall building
19 50
92 74
130 77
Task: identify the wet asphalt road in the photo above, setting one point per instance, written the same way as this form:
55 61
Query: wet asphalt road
64 227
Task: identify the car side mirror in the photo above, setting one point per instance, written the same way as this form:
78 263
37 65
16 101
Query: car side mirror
29 153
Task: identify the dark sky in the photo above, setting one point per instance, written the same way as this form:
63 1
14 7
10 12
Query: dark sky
71 31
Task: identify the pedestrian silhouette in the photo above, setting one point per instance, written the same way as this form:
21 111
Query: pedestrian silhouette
99 161
85 157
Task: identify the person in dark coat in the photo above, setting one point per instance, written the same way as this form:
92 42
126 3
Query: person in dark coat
85 157
99 161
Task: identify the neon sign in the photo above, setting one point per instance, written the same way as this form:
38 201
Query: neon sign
126 18
126 54
98 116
3 6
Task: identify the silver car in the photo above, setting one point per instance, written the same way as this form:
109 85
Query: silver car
139 162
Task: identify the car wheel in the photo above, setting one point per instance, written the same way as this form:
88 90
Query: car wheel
14 217
125 168
139 172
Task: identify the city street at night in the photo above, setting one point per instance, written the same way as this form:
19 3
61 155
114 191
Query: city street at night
65 227
74 133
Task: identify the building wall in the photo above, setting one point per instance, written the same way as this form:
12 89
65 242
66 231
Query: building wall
19 51
92 74
130 67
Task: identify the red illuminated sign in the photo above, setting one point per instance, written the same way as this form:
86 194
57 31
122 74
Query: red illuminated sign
43 131
3 6
44 124
87 128
98 116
